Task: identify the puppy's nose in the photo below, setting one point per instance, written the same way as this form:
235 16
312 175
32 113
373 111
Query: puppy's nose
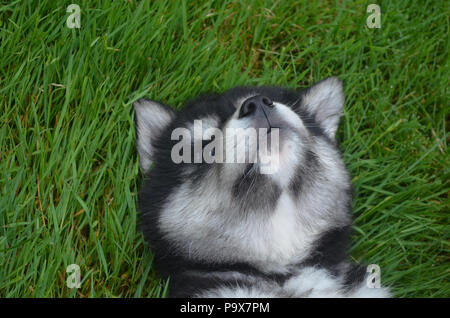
254 104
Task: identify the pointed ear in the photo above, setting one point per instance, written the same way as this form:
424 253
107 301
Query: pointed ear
150 119
325 101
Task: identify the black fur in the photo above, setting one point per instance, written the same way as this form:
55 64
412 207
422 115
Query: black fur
255 191
331 249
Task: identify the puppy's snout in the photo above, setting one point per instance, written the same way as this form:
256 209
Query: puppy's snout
254 105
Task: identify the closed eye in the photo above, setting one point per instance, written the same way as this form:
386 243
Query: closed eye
206 142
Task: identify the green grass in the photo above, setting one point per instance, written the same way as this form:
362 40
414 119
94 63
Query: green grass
68 165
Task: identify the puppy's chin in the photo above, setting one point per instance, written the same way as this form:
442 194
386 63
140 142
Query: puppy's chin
280 162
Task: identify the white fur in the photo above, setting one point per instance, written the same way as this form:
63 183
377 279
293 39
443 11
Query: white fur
270 243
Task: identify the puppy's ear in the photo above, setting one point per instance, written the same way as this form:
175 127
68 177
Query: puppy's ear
150 119
325 101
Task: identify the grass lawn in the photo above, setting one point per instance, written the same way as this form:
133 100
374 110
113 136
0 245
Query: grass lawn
68 165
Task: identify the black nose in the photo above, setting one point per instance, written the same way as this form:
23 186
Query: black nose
251 105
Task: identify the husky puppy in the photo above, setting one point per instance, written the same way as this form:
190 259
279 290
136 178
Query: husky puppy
226 229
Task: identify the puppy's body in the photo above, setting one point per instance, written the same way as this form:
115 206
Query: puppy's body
229 230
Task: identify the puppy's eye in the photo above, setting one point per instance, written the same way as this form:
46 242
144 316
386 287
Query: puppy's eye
206 142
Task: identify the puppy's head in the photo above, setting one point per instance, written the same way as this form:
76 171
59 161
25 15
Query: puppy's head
251 175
